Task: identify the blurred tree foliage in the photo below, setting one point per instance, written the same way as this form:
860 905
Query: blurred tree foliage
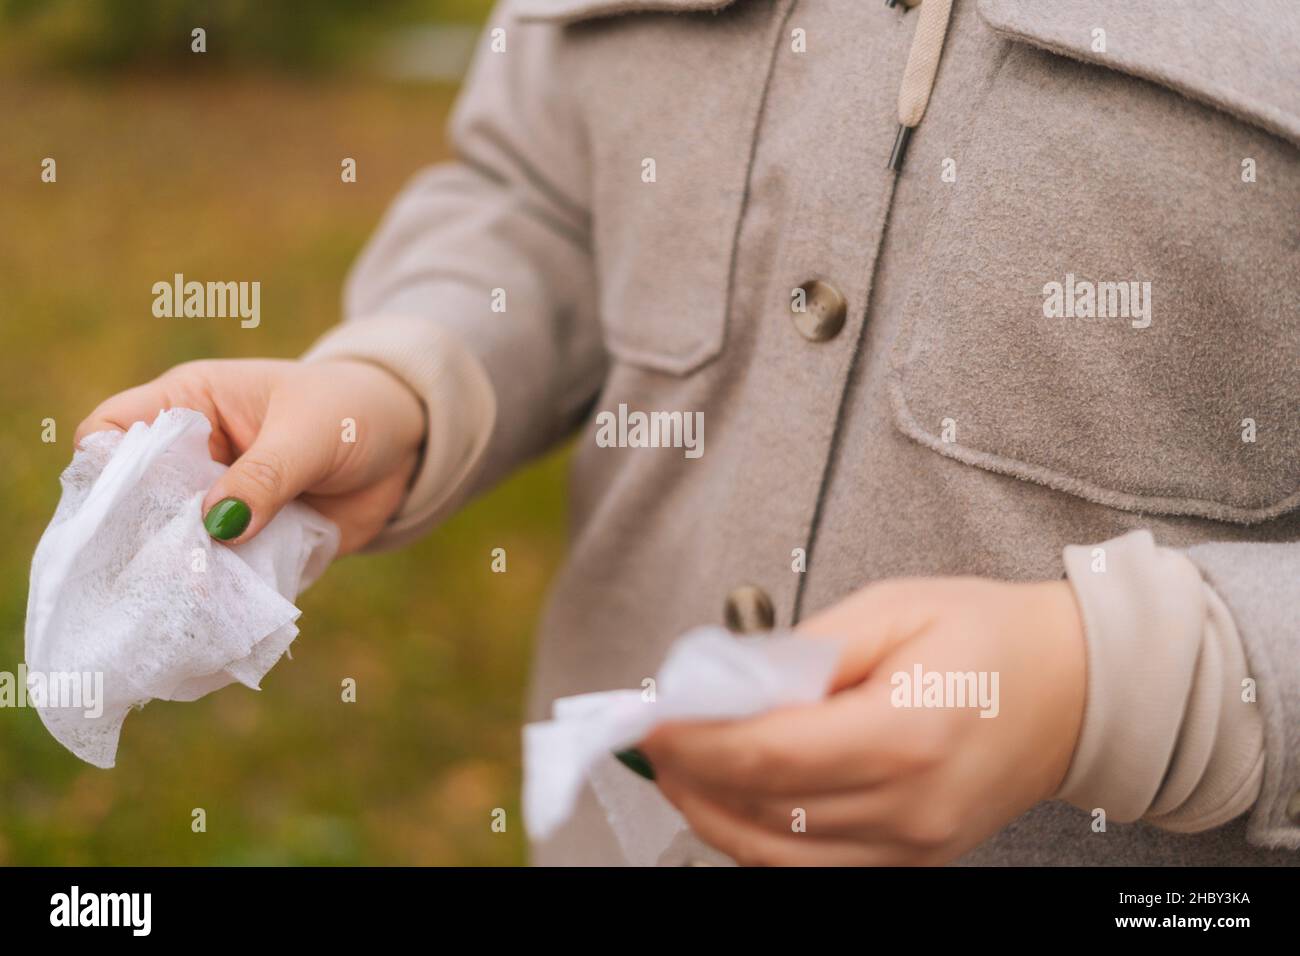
156 34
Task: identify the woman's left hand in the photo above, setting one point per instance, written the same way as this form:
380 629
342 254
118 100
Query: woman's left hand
861 779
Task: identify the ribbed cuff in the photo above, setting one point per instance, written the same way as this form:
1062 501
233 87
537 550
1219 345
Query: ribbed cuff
1166 736
459 403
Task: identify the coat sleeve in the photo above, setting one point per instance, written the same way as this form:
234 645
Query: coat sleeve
1193 685
1260 587
478 289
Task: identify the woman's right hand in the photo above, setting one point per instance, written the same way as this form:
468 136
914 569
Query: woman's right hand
281 427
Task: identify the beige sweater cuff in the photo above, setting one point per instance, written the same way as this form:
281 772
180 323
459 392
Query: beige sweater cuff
1170 734
459 404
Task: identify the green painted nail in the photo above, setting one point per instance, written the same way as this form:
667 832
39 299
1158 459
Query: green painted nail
227 519
636 761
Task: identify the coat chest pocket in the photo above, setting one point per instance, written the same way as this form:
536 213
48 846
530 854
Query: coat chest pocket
1163 378
670 90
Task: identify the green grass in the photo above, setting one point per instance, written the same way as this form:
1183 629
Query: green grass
239 179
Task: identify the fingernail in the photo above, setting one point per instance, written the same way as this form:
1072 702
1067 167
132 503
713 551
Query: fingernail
227 519
636 761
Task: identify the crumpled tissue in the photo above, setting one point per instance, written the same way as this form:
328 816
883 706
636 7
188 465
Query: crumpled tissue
127 584
708 674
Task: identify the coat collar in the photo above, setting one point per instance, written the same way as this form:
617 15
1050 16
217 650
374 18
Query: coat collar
571 11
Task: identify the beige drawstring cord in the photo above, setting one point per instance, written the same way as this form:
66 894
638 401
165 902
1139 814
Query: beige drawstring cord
918 75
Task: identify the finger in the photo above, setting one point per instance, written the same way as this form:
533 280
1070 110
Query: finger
143 403
360 515
847 813
139 404
845 742
899 815
283 461
752 845
868 626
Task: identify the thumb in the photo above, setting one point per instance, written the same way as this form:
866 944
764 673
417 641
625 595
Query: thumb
868 626
281 464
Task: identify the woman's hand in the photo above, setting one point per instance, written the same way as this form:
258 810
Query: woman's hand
281 427
879 783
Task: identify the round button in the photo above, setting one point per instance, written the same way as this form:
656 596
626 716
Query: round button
823 311
749 609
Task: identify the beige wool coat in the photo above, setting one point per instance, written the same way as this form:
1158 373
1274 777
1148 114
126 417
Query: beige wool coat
1061 336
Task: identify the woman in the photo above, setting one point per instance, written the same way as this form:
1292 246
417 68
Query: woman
990 311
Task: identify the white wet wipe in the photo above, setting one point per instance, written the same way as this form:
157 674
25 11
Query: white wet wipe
709 674
130 593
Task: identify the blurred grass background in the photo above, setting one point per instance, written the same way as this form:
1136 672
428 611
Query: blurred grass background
226 166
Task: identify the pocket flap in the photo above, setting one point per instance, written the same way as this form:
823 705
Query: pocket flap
1241 58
